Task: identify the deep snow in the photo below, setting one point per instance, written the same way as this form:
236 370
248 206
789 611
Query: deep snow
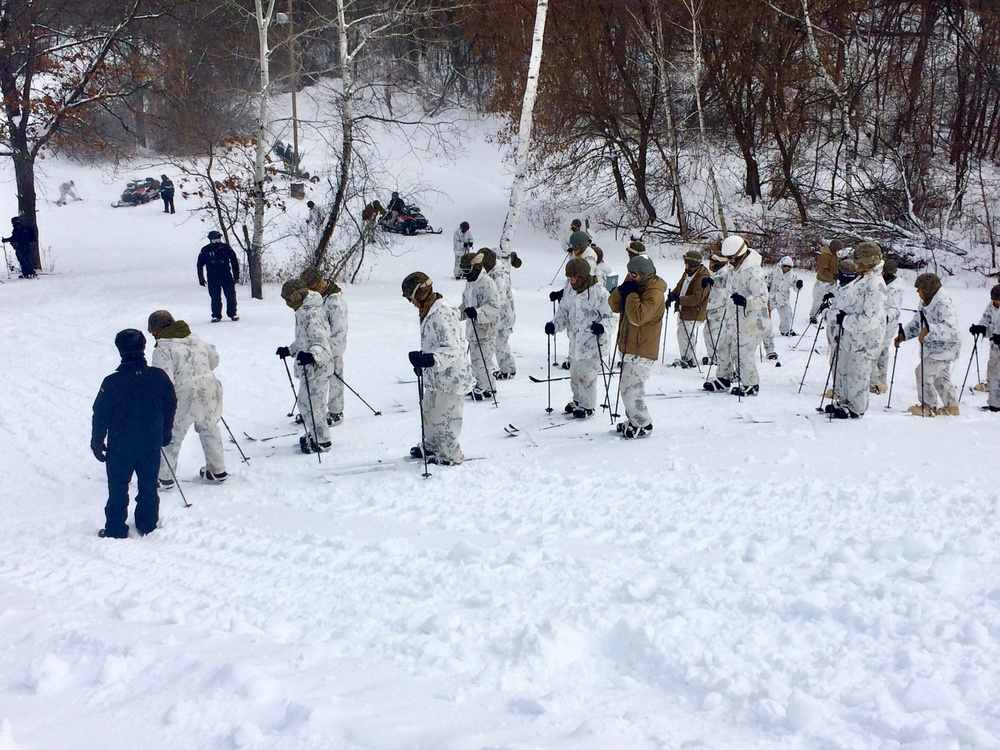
751 575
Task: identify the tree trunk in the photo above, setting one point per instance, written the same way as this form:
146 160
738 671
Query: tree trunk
24 179
524 129
257 242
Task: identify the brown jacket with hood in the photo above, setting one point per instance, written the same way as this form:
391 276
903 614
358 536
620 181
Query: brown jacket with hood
692 303
639 331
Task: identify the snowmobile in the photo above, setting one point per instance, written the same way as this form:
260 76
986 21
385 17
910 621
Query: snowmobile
404 218
139 192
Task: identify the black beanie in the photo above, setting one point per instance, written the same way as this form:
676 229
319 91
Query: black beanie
130 341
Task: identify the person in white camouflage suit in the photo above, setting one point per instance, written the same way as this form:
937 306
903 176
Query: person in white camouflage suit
497 264
311 350
747 304
189 363
335 309
935 324
860 323
443 365
462 243
893 309
718 295
585 316
481 310
780 282
989 328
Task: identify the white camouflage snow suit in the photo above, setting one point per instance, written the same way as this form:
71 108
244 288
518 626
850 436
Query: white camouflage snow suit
483 295
941 348
447 382
189 362
716 312
461 243
780 285
505 325
312 334
991 319
335 308
747 280
893 309
863 301
575 315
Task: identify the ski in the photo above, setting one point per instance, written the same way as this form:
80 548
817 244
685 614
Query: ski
270 437
750 418
533 379
661 394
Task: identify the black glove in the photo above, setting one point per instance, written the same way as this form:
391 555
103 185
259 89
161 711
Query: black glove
629 287
597 329
813 321
556 295
828 296
672 297
305 358
739 300
550 328
470 313
100 451
977 330
201 281
421 360
798 283
283 351
995 339
841 315
825 306
707 282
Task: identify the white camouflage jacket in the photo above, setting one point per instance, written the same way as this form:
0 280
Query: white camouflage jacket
458 241
501 277
893 302
312 332
441 335
780 285
864 302
942 340
335 308
991 319
483 295
189 363
748 280
719 293
575 315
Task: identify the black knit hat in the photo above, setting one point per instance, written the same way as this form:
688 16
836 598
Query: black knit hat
130 341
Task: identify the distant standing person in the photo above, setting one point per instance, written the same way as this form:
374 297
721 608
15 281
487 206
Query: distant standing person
133 419
167 193
189 363
223 270
67 189
21 237
462 243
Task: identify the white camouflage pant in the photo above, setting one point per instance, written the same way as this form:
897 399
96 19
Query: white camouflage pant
750 336
881 368
583 380
505 359
314 408
335 401
993 376
207 427
713 331
854 374
482 363
784 318
937 382
457 273
687 338
635 371
767 335
820 288
442 415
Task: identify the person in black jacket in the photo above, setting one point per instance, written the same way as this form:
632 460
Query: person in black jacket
133 419
21 237
167 193
223 270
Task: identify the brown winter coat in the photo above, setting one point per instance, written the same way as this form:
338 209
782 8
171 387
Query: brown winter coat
692 304
639 331
826 266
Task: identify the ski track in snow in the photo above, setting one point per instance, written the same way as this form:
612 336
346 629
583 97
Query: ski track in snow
724 583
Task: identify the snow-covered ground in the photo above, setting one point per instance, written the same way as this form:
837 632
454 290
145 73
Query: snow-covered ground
750 575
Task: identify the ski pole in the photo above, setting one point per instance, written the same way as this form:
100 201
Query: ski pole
836 360
312 413
548 362
486 367
177 482
812 351
975 344
555 341
920 338
291 382
621 364
791 323
562 263
715 344
663 343
423 432
892 377
244 455
336 375
606 377
803 335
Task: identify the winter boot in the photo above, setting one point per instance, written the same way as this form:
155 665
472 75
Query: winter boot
745 390
478 394
298 419
718 385
209 476
565 365
922 411
503 375
441 461
166 485
417 451
216 320
878 388
981 387
948 411
631 431
839 411
772 356
334 419
581 413
570 407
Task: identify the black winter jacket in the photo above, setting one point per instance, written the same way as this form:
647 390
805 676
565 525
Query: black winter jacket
134 409
221 261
